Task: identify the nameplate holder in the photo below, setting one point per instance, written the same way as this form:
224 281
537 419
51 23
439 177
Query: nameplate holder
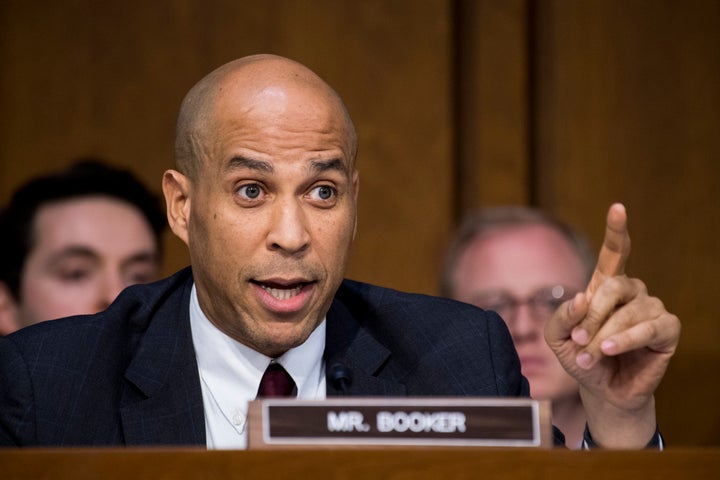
411 421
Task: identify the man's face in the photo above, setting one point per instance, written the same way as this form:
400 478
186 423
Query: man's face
271 217
85 251
516 264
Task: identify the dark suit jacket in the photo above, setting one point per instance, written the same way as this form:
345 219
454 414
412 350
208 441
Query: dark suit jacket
128 375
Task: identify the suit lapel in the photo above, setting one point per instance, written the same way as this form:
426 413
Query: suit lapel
350 345
162 401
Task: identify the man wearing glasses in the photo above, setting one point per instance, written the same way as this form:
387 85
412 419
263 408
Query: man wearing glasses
523 264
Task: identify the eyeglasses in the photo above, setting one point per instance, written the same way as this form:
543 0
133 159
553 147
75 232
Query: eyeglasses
542 302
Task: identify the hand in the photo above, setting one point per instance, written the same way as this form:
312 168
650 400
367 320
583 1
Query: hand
616 341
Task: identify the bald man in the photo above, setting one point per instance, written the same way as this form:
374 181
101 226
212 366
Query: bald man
264 194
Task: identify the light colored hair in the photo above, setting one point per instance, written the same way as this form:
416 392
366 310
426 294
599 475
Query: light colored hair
490 219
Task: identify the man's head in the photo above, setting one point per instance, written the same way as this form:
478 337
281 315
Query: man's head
522 264
265 196
72 240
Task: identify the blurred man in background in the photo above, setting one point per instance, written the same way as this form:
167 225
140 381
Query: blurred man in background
72 240
523 264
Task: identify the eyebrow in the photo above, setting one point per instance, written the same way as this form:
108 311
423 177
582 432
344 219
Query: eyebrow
243 162
317 166
72 252
90 254
331 164
141 257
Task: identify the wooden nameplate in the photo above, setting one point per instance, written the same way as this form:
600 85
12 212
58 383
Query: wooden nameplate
341 422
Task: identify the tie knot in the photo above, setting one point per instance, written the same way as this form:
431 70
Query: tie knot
276 382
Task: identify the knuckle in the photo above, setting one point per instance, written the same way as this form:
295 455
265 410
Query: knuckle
633 315
594 316
638 285
656 304
673 324
676 322
650 329
614 285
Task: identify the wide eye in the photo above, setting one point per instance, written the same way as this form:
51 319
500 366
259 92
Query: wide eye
251 191
323 193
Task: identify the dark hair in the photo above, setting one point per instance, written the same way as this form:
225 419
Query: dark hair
485 220
86 177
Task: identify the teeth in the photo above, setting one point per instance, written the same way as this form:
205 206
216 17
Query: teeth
282 293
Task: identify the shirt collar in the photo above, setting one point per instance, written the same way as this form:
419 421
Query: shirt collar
233 370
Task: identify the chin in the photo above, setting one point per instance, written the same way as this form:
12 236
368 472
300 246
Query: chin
284 341
541 395
540 390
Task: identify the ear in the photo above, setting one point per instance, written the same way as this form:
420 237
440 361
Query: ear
356 188
177 188
9 321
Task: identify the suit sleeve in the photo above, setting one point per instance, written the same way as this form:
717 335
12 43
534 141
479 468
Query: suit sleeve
16 398
506 363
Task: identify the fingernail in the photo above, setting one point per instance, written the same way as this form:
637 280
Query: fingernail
580 336
608 346
583 360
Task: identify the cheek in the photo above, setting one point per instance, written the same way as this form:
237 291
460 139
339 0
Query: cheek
221 244
334 238
207 234
49 299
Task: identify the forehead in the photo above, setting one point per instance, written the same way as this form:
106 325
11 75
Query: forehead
279 118
105 222
515 257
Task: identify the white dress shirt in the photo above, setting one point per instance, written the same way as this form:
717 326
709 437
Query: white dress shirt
230 374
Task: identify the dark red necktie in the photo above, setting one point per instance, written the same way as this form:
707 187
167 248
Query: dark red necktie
276 382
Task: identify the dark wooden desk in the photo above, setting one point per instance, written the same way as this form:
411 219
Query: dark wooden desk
396 463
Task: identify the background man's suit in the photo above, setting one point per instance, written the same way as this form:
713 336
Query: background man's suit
128 376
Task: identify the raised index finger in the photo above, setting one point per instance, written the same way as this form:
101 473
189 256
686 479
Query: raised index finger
615 248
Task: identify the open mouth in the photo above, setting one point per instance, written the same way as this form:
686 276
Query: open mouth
282 292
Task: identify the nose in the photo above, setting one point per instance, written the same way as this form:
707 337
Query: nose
288 228
524 326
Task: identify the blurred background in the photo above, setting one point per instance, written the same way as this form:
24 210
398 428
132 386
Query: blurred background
566 105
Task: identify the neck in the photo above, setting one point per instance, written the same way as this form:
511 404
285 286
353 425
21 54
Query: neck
568 415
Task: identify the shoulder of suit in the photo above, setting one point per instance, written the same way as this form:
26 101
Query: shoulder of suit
132 308
352 292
